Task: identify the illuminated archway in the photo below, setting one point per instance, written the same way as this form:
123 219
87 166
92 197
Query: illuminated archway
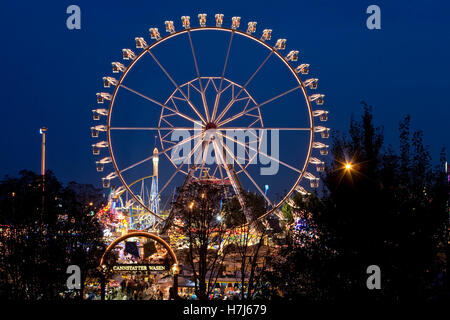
145 235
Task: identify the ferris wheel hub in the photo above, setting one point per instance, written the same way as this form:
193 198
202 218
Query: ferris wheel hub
210 125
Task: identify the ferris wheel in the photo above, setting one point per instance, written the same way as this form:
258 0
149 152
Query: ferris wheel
203 99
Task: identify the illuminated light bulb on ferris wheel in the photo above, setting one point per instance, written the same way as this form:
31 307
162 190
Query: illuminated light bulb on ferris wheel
140 43
96 147
311 83
186 22
251 27
154 33
235 22
99 112
313 180
95 130
102 96
128 54
322 147
108 81
292 55
322 114
202 19
111 175
266 35
320 165
219 19
106 182
325 132
117 67
318 98
301 190
169 26
303 68
101 164
106 160
314 160
280 44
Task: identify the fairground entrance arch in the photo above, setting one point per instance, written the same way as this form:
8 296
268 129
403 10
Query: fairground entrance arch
106 267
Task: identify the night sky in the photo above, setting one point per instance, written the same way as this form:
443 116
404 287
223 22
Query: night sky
50 74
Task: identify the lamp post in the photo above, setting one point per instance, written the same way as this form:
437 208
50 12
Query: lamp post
43 131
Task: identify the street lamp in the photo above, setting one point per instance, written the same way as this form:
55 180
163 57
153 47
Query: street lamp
348 166
42 131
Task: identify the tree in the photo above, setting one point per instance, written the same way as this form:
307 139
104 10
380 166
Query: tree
250 245
39 243
389 209
199 208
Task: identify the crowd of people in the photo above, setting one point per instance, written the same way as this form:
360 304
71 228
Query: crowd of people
136 288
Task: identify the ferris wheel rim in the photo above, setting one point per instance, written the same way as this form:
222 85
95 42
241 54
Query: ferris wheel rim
233 31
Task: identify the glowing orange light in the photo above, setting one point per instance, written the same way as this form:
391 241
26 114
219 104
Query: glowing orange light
348 166
191 205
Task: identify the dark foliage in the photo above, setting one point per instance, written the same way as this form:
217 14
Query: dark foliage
42 233
389 210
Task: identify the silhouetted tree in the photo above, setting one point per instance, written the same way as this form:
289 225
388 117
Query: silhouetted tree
389 210
39 243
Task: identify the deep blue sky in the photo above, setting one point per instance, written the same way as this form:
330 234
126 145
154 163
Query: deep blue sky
50 74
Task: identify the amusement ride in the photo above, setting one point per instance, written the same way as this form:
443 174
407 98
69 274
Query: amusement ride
215 109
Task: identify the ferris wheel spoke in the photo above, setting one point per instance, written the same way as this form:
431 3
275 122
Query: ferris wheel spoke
178 87
225 110
214 85
243 113
205 104
160 104
246 105
262 153
166 121
220 171
219 92
159 153
204 155
215 170
247 174
152 128
166 135
233 180
196 146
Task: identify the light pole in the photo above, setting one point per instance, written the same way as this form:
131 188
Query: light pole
42 131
